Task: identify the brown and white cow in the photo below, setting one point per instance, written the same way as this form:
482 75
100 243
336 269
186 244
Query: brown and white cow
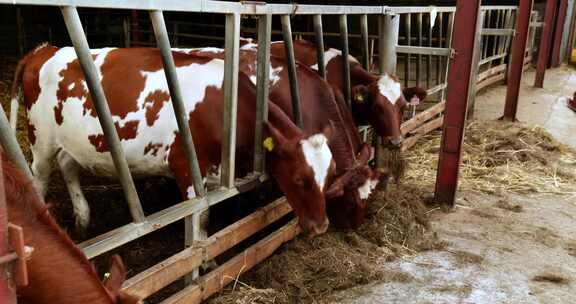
58 272
63 125
321 105
377 100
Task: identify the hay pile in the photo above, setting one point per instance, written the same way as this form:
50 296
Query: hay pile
309 270
501 156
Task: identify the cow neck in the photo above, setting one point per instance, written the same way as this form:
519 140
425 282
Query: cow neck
59 273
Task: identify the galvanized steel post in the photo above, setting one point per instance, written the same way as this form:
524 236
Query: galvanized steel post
11 146
365 44
545 42
465 29
408 63
517 59
319 45
163 42
291 61
91 74
345 60
230 103
263 71
388 31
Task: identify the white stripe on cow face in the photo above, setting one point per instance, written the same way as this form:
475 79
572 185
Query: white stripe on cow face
389 88
318 157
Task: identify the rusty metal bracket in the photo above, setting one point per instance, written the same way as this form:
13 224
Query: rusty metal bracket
19 256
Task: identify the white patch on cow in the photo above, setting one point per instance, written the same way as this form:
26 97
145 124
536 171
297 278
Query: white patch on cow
366 189
331 54
213 50
273 75
433 15
190 192
249 46
72 136
318 157
71 86
389 88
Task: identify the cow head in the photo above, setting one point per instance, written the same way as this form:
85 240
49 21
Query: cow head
113 283
383 102
303 167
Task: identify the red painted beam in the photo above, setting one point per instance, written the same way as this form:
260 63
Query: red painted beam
464 44
517 59
545 41
559 32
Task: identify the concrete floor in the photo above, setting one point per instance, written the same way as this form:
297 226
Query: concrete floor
545 107
496 255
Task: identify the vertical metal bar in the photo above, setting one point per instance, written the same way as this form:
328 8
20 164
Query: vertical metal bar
388 32
11 146
230 104
7 286
429 57
558 33
465 29
91 74
289 48
439 58
485 38
345 59
407 66
263 71
21 33
449 33
175 35
474 71
545 41
419 43
504 41
365 46
517 59
126 31
319 45
163 43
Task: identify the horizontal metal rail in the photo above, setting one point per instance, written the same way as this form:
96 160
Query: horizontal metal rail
497 32
423 50
122 235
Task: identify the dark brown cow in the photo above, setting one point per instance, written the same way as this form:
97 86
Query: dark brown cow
58 271
320 106
65 126
377 100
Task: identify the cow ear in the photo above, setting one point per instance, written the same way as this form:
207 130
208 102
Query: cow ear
117 274
275 140
415 95
328 130
360 94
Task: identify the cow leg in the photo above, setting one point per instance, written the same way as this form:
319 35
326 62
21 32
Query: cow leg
70 170
42 166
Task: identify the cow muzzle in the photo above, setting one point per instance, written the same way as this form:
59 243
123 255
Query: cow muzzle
314 228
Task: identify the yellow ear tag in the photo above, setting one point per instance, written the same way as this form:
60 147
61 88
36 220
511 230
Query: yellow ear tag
268 144
359 98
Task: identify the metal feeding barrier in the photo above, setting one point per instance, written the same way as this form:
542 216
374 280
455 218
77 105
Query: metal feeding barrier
429 46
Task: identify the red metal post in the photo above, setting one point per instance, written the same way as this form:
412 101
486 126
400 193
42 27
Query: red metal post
545 41
517 59
464 45
559 32
7 291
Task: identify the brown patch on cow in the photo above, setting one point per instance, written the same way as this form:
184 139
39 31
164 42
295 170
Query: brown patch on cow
31 75
31 134
153 104
128 131
71 85
154 148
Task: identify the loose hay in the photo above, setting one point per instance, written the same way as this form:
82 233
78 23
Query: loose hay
309 270
502 156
